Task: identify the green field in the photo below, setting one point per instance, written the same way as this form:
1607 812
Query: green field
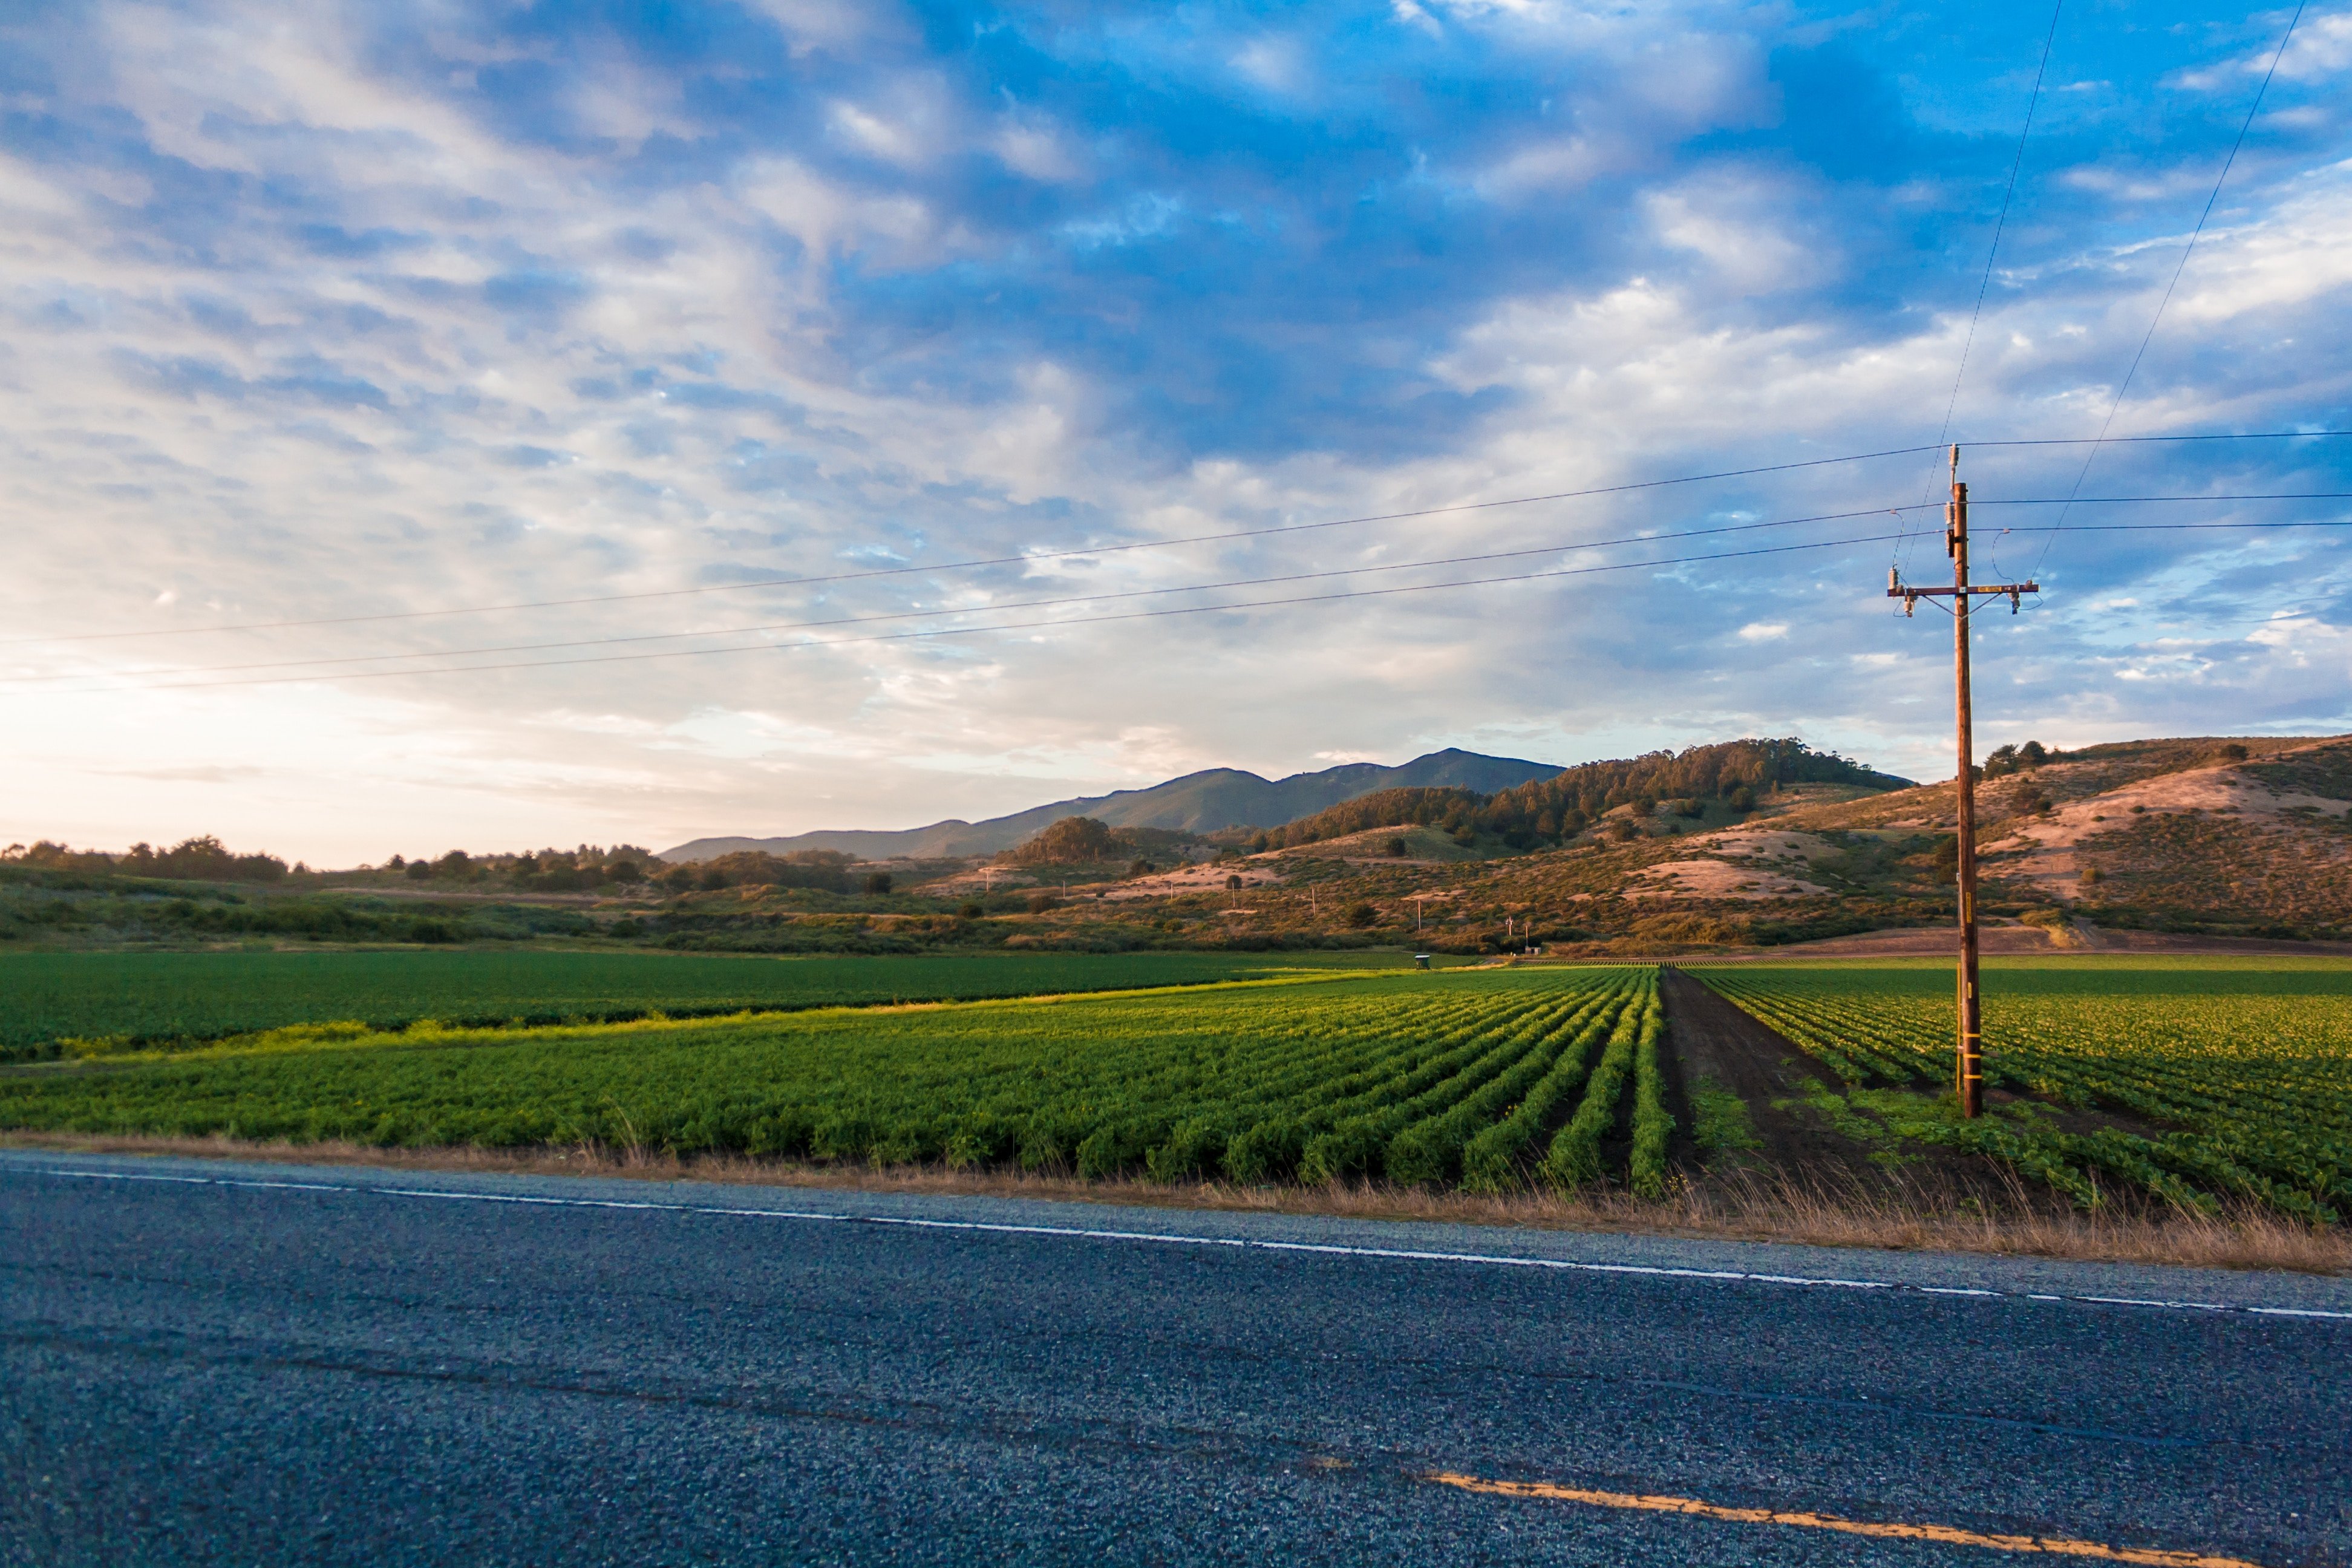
142 997
2189 1079
2194 1081
1490 1080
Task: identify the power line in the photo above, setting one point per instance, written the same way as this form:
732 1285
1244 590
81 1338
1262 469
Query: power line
2121 440
1020 625
994 561
2174 527
1164 613
2118 501
1547 549
2190 250
1552 548
1118 549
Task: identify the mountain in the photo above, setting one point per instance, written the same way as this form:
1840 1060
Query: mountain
1197 803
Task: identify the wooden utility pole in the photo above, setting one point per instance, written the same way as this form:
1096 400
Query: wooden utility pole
1970 1070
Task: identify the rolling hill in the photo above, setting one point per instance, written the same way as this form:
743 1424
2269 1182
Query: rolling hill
1196 802
2247 836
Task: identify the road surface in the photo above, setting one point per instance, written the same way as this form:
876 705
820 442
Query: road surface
216 1363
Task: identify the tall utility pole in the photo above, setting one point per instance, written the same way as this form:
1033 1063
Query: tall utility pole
1970 1065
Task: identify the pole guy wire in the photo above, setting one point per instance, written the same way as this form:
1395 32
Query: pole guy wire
2001 224
2190 250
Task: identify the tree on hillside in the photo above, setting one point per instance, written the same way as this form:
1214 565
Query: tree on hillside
825 870
1073 840
1403 808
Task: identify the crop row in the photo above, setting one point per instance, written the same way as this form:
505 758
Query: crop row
1429 1079
2204 1095
139 999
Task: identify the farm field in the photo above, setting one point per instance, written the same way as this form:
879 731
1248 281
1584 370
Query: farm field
2191 1080
141 997
1490 1081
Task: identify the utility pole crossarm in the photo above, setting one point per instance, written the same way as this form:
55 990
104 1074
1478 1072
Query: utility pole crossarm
1898 589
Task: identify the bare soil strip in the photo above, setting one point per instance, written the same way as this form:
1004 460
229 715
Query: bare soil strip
1712 1040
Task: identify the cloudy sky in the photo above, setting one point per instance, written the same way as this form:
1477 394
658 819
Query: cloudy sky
331 333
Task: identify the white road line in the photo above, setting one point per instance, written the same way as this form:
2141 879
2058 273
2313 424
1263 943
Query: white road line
1484 1259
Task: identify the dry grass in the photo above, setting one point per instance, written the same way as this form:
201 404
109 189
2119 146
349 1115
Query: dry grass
1892 1216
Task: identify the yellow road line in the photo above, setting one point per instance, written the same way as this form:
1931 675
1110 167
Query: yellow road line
2055 1545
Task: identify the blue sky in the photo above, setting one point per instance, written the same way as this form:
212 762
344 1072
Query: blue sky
341 311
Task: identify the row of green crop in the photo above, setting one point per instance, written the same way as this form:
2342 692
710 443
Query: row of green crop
1430 1079
2249 1096
140 999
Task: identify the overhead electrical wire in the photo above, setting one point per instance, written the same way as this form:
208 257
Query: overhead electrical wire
2120 501
2187 251
2123 440
1021 625
1052 624
994 561
1035 557
1551 548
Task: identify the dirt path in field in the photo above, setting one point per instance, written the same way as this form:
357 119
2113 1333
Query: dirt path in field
1709 1038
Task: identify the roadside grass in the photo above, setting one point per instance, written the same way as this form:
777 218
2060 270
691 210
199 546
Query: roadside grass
1893 1214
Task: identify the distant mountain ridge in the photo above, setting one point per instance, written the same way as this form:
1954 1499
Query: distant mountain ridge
1196 802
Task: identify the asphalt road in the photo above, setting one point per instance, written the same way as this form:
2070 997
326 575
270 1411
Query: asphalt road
267 1364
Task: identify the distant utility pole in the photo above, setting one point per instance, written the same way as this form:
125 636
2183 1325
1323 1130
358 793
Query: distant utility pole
1956 545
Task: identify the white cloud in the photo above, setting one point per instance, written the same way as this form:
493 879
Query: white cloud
451 362
1738 226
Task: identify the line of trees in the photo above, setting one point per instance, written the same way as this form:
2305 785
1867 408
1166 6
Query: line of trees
828 870
588 867
200 859
1550 810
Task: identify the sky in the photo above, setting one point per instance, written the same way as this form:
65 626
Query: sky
497 425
